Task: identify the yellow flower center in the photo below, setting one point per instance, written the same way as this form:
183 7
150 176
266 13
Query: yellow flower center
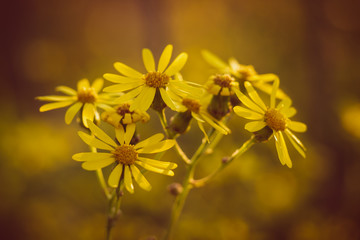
156 79
87 95
224 81
125 154
192 105
123 109
275 120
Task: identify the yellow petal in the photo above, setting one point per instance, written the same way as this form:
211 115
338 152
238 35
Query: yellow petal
91 156
72 111
128 180
115 175
94 165
56 98
255 126
151 140
165 58
88 113
144 100
126 70
289 112
83 83
155 169
183 86
100 134
254 96
197 117
168 101
92 141
177 64
98 84
140 179
119 79
123 87
158 164
119 132
297 126
56 105
148 60
66 90
129 133
282 149
214 124
130 95
248 102
269 77
158 147
247 113
213 60
296 142
275 88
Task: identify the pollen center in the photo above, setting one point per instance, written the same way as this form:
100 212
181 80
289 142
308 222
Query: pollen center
87 95
125 154
192 105
156 79
123 109
275 120
224 80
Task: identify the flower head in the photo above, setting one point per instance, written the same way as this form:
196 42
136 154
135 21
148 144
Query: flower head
86 97
221 84
144 87
273 118
243 73
125 156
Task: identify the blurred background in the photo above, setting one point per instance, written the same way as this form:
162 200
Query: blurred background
312 45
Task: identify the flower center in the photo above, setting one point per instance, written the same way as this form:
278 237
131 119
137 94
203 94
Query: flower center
156 79
275 120
87 95
192 105
224 81
125 154
123 109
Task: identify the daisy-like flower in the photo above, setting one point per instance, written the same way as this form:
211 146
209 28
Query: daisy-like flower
243 73
189 108
86 97
275 118
125 156
143 87
121 115
222 84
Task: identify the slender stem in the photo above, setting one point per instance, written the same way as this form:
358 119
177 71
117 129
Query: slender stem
114 209
225 162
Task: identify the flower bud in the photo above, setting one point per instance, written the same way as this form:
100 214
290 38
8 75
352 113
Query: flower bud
263 134
219 106
175 188
180 123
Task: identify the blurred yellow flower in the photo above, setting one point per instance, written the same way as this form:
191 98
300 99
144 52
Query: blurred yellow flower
222 84
143 87
125 156
243 73
86 97
275 118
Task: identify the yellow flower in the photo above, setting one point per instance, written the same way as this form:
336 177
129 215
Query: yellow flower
222 84
121 115
196 108
243 73
143 87
125 156
86 97
275 118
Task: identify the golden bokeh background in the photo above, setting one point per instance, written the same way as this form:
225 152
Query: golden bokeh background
312 45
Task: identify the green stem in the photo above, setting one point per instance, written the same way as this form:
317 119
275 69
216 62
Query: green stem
114 209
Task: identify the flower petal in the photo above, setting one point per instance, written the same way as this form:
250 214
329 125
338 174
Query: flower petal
115 78
88 113
165 58
213 60
158 164
148 60
282 149
197 117
83 83
128 180
92 141
296 143
98 84
119 132
297 126
129 133
121 87
126 70
201 126
255 126
177 64
54 98
115 175
195 92
56 105
275 88
101 134
144 100
168 101
214 124
151 140
269 77
140 179
97 164
247 113
66 90
254 96
248 102
158 147
91 156
129 95
154 169
72 111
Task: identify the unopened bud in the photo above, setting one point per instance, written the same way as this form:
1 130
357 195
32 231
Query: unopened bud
263 134
180 123
219 106
225 159
175 188
158 103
